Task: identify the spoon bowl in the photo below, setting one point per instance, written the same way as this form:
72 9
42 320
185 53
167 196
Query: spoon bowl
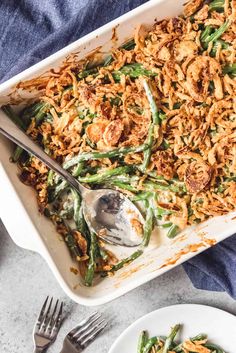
113 217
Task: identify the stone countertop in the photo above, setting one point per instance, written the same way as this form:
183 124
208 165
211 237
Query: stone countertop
25 281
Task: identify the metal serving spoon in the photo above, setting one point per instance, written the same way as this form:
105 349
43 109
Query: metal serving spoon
107 212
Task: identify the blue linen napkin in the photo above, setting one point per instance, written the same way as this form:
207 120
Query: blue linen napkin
30 30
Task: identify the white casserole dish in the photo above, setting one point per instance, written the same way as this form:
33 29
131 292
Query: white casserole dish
32 231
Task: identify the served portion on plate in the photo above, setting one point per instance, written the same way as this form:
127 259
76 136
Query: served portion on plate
168 344
202 329
156 119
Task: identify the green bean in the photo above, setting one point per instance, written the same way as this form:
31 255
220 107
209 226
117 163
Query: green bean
230 69
152 103
85 73
173 231
58 189
78 169
123 262
161 211
200 337
36 110
68 238
41 114
81 223
142 196
54 193
162 116
177 105
72 245
170 338
67 88
217 43
148 226
30 111
150 343
233 178
214 348
78 213
89 276
166 225
77 205
152 174
178 349
206 33
127 46
67 212
103 254
14 117
155 121
216 34
158 181
103 175
17 154
117 152
108 60
216 5
117 101
124 186
126 178
157 211
158 186
50 178
165 145
142 341
133 71
90 143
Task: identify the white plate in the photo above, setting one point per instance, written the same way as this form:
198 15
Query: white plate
219 325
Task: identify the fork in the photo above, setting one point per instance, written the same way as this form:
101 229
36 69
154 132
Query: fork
83 334
47 325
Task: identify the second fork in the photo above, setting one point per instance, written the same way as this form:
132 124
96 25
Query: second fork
83 334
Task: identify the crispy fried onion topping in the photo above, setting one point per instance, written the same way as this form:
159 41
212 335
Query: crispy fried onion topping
198 176
193 83
200 73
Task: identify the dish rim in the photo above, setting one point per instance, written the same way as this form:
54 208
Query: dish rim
42 249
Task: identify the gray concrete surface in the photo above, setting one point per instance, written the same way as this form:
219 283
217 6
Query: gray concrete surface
25 280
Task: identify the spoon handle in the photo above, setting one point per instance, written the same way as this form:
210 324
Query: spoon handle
9 129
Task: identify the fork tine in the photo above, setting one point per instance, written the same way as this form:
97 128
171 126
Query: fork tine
41 314
46 316
52 318
58 320
91 337
90 329
82 323
86 326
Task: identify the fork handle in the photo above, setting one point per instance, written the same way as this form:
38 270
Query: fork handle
68 347
39 350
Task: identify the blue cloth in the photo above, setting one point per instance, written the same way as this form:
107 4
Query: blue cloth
30 30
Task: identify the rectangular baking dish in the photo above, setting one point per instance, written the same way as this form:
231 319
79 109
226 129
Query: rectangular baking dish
33 231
